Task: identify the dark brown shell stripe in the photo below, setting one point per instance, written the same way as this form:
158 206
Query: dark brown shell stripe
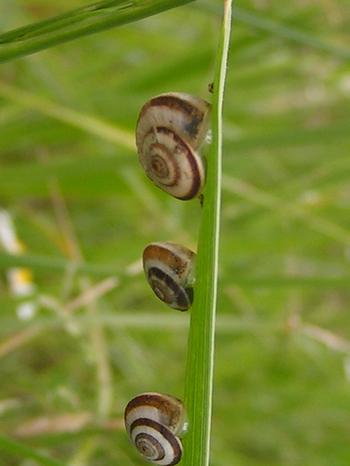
174 164
150 440
174 102
196 175
171 277
180 293
166 433
167 256
154 400
155 169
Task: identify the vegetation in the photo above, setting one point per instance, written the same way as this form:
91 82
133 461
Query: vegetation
82 207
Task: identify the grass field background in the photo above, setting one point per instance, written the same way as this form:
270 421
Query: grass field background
70 177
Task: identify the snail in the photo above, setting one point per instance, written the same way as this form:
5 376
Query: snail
169 269
154 423
170 129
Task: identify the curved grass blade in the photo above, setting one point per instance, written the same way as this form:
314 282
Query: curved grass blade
77 23
200 359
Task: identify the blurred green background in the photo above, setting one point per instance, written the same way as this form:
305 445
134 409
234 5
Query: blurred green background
99 336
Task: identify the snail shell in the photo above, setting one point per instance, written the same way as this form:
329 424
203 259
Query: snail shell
153 422
169 269
170 129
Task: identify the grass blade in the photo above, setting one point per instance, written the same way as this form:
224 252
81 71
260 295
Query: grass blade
20 450
61 264
89 123
280 29
290 33
55 264
199 371
77 23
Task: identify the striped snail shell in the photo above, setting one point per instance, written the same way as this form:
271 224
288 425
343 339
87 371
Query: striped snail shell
154 423
170 129
169 269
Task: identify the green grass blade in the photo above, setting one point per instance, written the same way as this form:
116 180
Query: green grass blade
259 197
77 23
280 29
199 371
54 264
89 123
60 264
290 33
20 450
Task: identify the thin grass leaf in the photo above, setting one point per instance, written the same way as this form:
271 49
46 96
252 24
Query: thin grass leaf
60 264
289 33
262 198
200 362
77 23
20 450
281 30
54 264
147 322
88 123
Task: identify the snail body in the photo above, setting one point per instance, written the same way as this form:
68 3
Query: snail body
170 129
154 423
169 269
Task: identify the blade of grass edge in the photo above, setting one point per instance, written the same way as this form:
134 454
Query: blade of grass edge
77 23
20 450
200 356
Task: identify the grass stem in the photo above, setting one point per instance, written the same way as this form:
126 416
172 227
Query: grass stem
77 23
200 362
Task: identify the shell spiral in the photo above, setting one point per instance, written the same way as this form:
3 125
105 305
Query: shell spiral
170 129
154 423
169 269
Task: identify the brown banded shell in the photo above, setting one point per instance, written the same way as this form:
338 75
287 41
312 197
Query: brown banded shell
169 269
154 423
170 129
